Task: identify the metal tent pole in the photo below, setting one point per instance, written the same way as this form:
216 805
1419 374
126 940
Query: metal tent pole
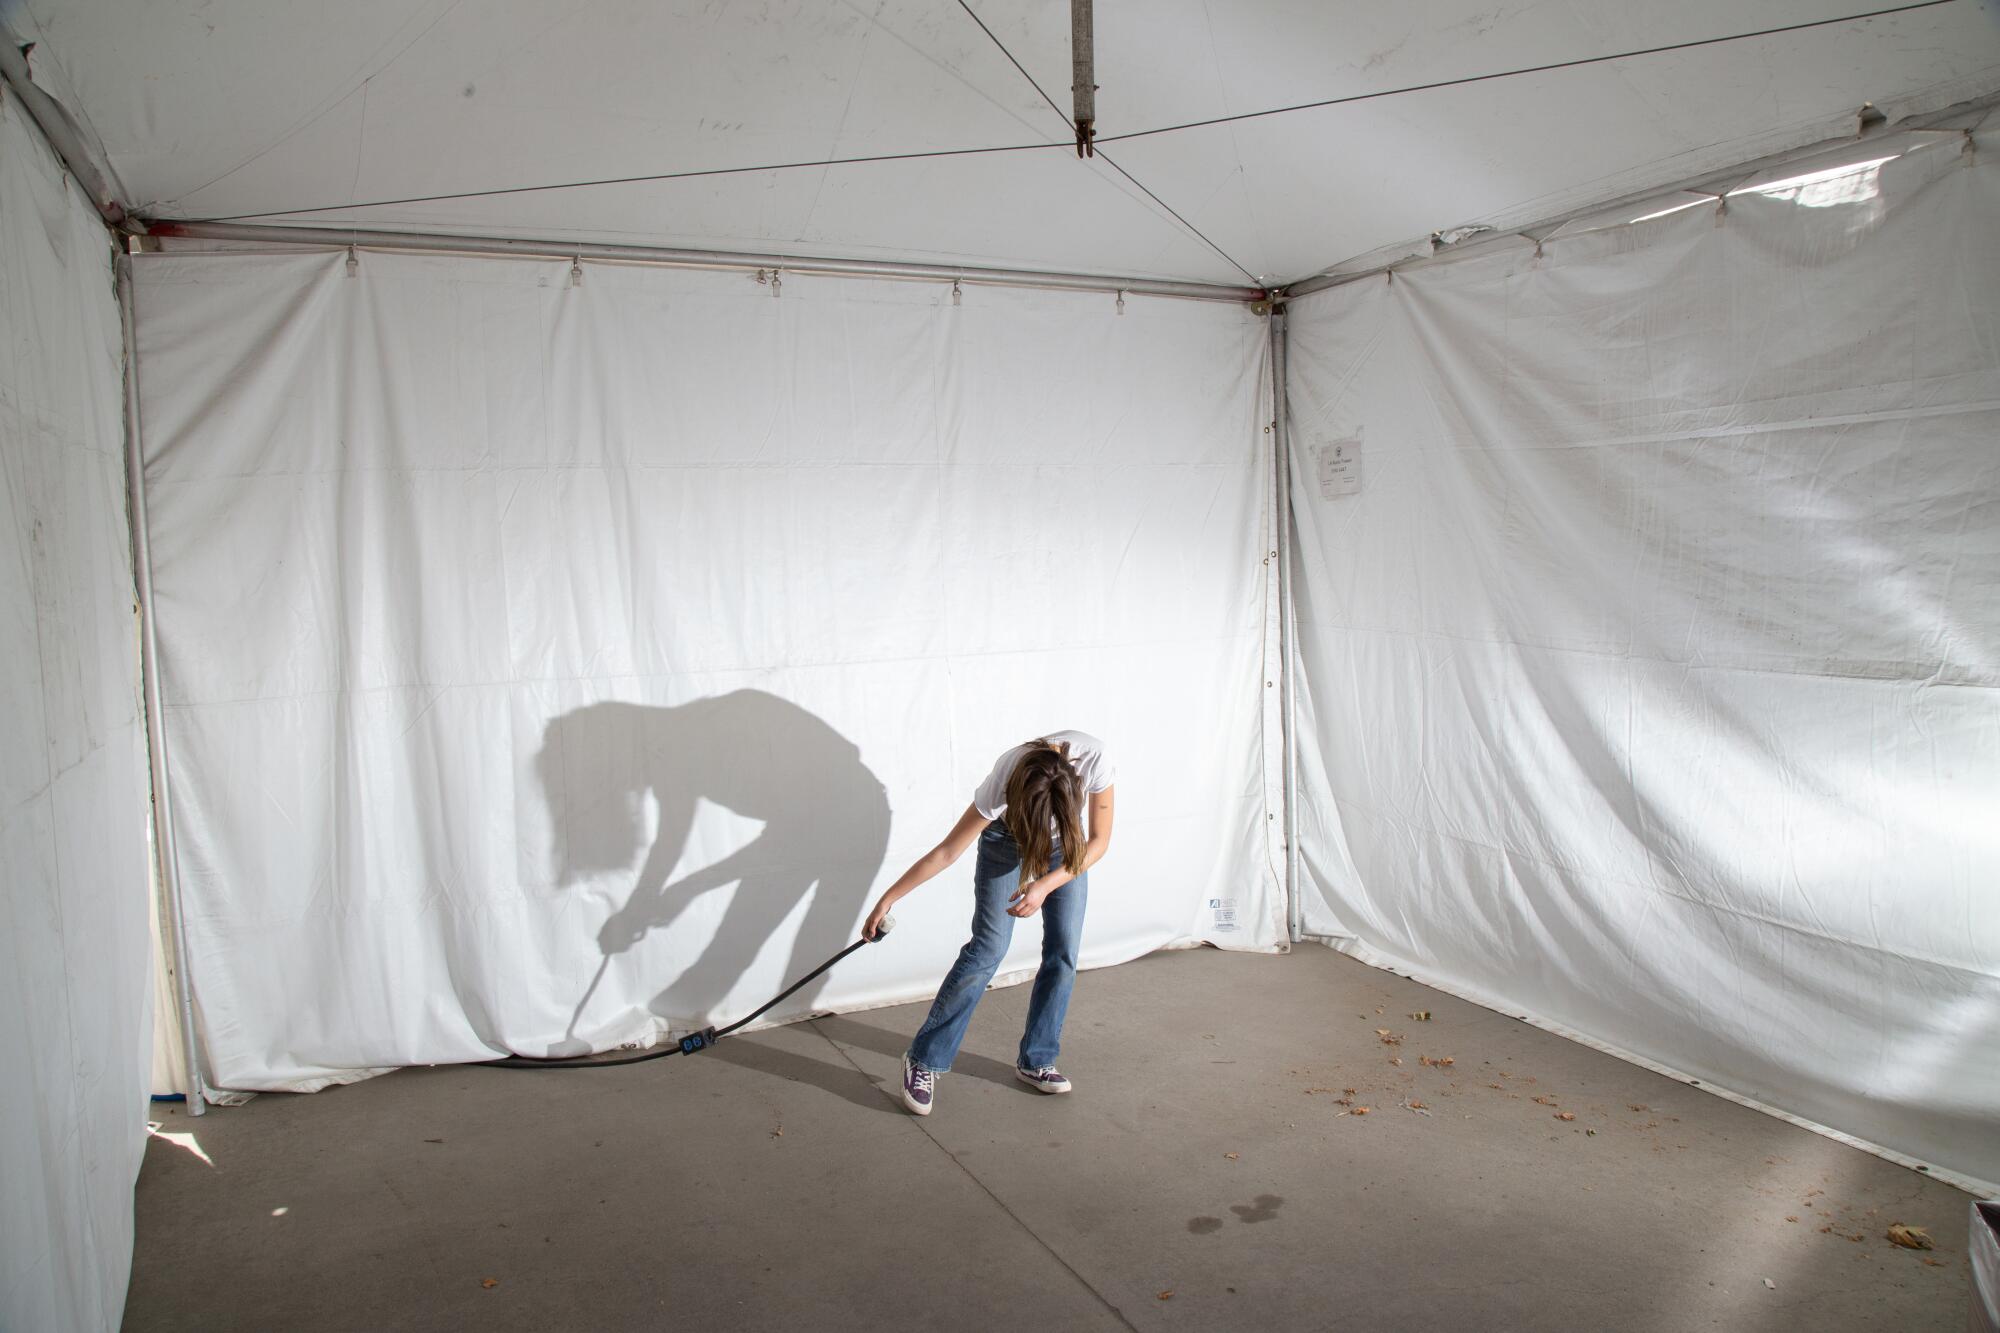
149 673
1288 642
679 258
61 132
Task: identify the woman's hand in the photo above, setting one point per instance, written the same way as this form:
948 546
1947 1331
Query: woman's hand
873 924
1028 898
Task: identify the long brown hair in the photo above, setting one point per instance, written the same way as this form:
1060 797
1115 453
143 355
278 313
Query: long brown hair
1045 800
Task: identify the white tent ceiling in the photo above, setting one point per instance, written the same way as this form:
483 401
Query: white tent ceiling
217 108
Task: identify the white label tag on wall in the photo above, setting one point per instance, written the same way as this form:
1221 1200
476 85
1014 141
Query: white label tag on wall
1224 912
1339 463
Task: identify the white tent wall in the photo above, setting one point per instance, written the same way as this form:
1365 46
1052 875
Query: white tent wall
517 625
74 943
1650 671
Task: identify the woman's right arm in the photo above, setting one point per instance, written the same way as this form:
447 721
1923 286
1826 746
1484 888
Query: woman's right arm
928 866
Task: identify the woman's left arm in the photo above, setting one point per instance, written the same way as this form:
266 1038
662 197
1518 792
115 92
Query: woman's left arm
1027 899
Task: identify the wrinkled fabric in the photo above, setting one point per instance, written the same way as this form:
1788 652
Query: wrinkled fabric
1650 625
75 943
553 665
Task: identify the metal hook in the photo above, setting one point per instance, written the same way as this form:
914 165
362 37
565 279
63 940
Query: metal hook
776 281
1121 300
956 294
353 262
576 271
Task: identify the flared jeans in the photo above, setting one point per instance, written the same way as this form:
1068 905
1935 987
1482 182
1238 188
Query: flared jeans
996 876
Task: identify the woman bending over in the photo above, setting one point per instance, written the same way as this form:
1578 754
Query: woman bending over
1034 855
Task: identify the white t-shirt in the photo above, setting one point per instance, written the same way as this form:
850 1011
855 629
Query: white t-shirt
1086 756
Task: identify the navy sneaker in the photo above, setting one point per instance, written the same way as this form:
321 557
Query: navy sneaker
1046 1079
919 1086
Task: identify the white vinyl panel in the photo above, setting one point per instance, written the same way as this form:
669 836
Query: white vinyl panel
1650 665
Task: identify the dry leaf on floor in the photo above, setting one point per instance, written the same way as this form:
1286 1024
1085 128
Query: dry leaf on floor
1933 1263
1395 1059
1343 1101
1791 1219
1166 1296
1565 1115
1637 1106
1348 1091
489 1282
1422 1015
1232 1156
1910 1238
1772 1285
1362 1110
1546 1100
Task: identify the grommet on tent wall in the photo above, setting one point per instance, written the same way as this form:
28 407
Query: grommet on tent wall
956 295
576 271
353 262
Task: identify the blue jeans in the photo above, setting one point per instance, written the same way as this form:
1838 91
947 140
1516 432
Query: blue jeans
993 882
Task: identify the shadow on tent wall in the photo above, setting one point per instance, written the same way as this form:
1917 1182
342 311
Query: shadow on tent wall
825 817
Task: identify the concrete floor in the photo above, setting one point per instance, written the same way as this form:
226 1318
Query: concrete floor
1202 1176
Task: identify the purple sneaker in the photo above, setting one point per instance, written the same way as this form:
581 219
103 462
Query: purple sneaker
919 1084
1046 1079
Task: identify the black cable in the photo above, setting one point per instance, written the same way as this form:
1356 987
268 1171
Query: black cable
1016 64
630 180
709 1036
1511 73
1115 138
1171 210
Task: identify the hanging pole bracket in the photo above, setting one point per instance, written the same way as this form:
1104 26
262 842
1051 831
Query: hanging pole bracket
1083 84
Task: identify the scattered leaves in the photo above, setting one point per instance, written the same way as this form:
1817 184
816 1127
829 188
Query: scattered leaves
1637 1106
1395 1059
1362 1110
1232 1156
1388 1038
1933 1263
1790 1218
1440 1062
1565 1115
1414 1105
1422 1015
489 1282
1546 1100
1910 1238
1165 1296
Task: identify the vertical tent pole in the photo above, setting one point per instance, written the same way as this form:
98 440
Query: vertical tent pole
1287 623
1083 77
149 674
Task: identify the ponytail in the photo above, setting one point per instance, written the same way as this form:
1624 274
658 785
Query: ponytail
1045 802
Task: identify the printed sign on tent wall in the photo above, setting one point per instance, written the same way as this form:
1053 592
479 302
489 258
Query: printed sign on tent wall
1338 464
